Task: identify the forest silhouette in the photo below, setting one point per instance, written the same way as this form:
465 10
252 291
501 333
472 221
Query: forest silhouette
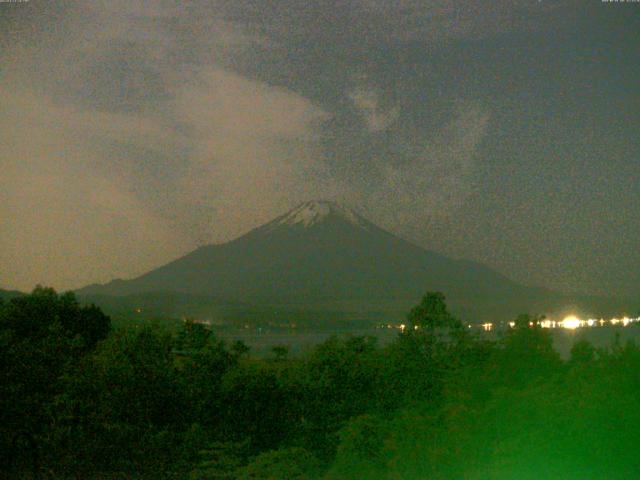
82 399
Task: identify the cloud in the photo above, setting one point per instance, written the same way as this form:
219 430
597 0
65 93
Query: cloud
254 148
130 138
359 25
435 176
62 221
121 151
367 101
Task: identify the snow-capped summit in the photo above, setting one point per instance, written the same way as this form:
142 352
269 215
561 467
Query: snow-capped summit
307 213
312 212
321 253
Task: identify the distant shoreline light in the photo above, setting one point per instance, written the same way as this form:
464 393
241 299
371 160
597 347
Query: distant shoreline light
573 322
570 322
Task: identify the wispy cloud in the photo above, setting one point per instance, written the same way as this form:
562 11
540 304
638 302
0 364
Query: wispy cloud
253 148
367 102
435 176
122 150
133 127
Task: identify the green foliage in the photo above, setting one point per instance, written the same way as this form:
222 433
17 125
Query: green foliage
280 352
42 336
289 463
360 452
124 408
201 372
338 380
193 336
527 353
32 317
79 401
239 348
432 313
220 461
253 403
516 411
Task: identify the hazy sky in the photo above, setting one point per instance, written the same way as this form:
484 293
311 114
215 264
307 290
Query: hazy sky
501 131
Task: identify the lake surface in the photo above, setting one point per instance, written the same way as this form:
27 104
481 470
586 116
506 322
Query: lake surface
261 343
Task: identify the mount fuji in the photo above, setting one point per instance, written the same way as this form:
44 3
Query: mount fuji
322 255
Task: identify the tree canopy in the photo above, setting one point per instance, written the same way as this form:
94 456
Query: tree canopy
81 400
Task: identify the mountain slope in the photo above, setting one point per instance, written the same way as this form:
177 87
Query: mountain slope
322 254
9 294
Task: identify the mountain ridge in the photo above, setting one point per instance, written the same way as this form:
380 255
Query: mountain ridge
323 253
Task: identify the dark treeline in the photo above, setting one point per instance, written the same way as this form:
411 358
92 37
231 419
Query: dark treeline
81 400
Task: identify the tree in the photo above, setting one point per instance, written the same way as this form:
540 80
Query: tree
239 348
42 337
433 344
201 372
33 316
280 352
339 379
193 335
290 463
255 405
582 352
526 352
125 408
360 452
431 313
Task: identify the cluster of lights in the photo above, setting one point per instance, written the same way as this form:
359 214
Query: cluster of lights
403 327
570 322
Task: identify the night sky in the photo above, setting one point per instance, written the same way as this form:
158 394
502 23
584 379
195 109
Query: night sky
500 131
